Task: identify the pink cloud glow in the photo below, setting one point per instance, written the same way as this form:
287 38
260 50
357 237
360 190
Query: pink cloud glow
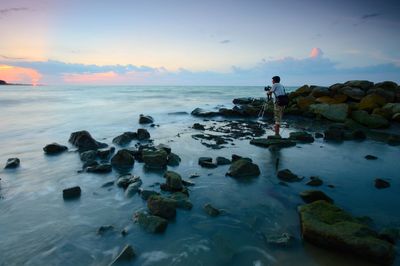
13 74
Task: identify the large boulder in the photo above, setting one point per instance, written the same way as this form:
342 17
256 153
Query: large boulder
84 141
243 168
156 159
161 206
12 163
389 96
54 148
123 159
334 112
302 91
353 93
393 107
72 193
278 143
326 225
143 134
145 119
318 91
151 223
362 84
125 138
387 85
371 101
338 98
304 102
173 180
371 121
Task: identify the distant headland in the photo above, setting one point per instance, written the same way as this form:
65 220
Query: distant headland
2 82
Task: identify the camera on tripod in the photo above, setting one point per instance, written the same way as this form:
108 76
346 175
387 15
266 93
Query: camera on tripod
267 89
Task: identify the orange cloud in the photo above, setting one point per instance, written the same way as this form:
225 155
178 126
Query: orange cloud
12 74
110 77
316 52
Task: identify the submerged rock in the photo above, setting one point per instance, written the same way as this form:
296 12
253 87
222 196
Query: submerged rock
143 134
125 255
182 200
301 136
157 159
223 161
151 223
88 156
163 207
198 126
84 141
334 112
12 163
123 159
370 157
54 148
211 211
125 138
133 187
287 176
173 181
72 192
280 240
173 159
326 225
279 142
104 229
313 195
315 181
145 194
381 183
125 180
243 168
145 119
371 121
99 168
105 154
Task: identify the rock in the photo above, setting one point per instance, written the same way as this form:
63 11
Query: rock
84 141
174 180
389 96
143 134
358 134
236 157
318 135
105 154
173 159
387 85
381 183
390 234
371 121
318 91
54 148
145 119
396 117
108 184
151 223
338 98
203 113
393 107
125 180
164 147
280 240
104 229
182 200
12 163
243 100
133 188
326 225
353 93
301 136
304 102
125 138
126 254
302 91
89 164
204 159
393 140
371 101
206 162
72 192
145 194
334 112
386 113
123 160
99 169
155 159
287 176
279 143
335 88
313 195
222 161
198 126
363 84
243 168
315 181
370 157
88 156
162 207
334 134
211 211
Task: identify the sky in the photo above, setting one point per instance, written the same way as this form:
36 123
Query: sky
185 42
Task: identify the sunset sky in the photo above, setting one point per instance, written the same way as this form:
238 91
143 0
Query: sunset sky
198 42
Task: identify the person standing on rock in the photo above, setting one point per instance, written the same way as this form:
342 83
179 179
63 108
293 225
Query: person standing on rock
281 100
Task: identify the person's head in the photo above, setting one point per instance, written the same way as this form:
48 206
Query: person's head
276 79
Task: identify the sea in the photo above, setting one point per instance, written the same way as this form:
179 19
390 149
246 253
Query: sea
37 227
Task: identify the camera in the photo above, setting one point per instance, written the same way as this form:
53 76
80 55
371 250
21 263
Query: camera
267 88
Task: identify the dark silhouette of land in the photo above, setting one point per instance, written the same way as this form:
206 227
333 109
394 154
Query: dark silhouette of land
2 82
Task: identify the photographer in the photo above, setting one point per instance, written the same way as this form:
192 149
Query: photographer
281 100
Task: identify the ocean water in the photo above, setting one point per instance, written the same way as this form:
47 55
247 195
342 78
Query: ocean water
37 227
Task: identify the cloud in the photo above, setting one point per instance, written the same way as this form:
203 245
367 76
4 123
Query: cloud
369 16
6 11
316 53
13 74
225 41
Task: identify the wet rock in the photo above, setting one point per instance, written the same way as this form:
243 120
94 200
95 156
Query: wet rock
198 126
145 194
371 101
381 183
280 240
194 176
243 168
353 92
108 184
173 180
222 160
315 181
211 211
287 176
164 147
151 223
318 135
182 201
143 134
392 107
206 162
72 193
173 159
313 195
304 102
396 117
278 143
162 207
334 134
123 159
125 138
145 119
125 180
12 163
371 121
318 91
363 84
302 91
84 141
187 183
236 157
99 169
104 229
387 85
390 234
203 113
301 136
245 100
157 159
358 134
133 188
126 255
105 154
88 156
393 140
326 225
89 164
54 148
370 157
334 112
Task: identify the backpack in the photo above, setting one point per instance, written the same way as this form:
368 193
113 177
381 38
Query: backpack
283 100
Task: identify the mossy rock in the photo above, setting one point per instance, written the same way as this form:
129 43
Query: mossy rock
279 143
371 101
371 121
304 102
155 159
243 168
302 91
324 224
